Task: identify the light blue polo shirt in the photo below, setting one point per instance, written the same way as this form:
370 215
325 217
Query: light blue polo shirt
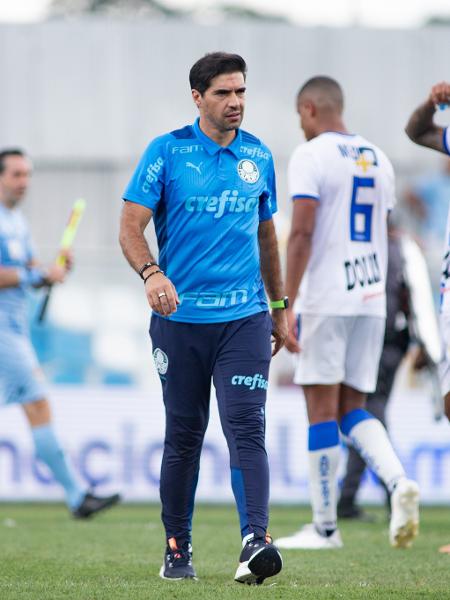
207 202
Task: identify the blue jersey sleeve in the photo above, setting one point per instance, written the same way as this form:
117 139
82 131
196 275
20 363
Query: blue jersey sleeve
268 200
146 186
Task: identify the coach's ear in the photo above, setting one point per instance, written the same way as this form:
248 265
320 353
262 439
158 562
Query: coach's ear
197 97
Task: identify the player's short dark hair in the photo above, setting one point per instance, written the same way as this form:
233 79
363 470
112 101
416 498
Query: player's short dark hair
327 86
9 152
213 64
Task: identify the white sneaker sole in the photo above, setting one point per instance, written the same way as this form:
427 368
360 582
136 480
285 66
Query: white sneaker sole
267 562
403 535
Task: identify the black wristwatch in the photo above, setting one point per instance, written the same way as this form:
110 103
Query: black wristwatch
283 303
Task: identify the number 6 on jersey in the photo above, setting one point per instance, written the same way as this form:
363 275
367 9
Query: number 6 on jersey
361 212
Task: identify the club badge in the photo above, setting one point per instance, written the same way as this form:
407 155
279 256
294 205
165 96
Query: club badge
248 171
161 361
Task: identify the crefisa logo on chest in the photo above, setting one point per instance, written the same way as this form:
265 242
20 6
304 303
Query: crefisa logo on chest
248 171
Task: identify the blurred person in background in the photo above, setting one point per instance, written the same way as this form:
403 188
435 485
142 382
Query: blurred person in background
395 346
210 187
342 187
428 199
422 130
21 379
428 202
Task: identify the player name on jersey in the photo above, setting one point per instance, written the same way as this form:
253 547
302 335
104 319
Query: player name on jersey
363 271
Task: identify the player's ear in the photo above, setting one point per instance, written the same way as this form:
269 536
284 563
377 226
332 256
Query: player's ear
312 109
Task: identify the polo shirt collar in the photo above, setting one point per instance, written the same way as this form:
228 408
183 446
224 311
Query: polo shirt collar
213 147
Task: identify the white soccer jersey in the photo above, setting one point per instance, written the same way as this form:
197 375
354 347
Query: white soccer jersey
445 278
353 182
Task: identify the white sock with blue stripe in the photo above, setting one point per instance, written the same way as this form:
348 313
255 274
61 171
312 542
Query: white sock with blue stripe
50 452
323 455
370 439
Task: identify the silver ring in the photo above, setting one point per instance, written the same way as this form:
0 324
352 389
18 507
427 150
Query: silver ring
162 294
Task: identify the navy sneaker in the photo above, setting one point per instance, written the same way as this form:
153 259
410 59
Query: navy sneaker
259 559
93 504
177 561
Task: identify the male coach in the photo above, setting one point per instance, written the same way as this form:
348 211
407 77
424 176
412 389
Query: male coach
211 189
21 380
342 188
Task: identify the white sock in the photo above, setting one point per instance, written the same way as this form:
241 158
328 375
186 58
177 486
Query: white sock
371 440
323 458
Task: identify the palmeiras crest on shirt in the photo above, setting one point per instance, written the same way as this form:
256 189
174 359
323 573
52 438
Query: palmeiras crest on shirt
161 361
248 171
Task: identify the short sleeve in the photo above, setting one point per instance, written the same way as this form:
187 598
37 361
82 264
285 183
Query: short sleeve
304 174
446 140
146 186
268 199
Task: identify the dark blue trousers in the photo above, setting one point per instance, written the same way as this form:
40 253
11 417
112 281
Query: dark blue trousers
236 355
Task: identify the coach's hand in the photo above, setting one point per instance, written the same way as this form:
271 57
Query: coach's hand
279 330
161 294
292 337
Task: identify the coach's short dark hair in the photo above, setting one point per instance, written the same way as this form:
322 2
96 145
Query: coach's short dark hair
328 86
213 64
9 152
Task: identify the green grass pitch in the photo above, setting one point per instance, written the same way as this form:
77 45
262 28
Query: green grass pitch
45 555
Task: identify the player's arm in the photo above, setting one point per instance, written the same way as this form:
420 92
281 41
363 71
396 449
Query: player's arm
421 127
9 277
31 276
271 275
298 253
160 291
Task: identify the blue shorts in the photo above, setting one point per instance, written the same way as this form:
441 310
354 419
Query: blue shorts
21 378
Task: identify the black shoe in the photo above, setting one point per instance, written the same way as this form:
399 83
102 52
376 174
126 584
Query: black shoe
177 561
355 513
259 559
93 504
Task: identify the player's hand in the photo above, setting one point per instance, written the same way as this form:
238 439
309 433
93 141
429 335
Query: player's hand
55 274
440 93
161 294
291 342
279 330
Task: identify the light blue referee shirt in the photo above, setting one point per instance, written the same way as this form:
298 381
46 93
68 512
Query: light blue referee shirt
16 250
207 202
